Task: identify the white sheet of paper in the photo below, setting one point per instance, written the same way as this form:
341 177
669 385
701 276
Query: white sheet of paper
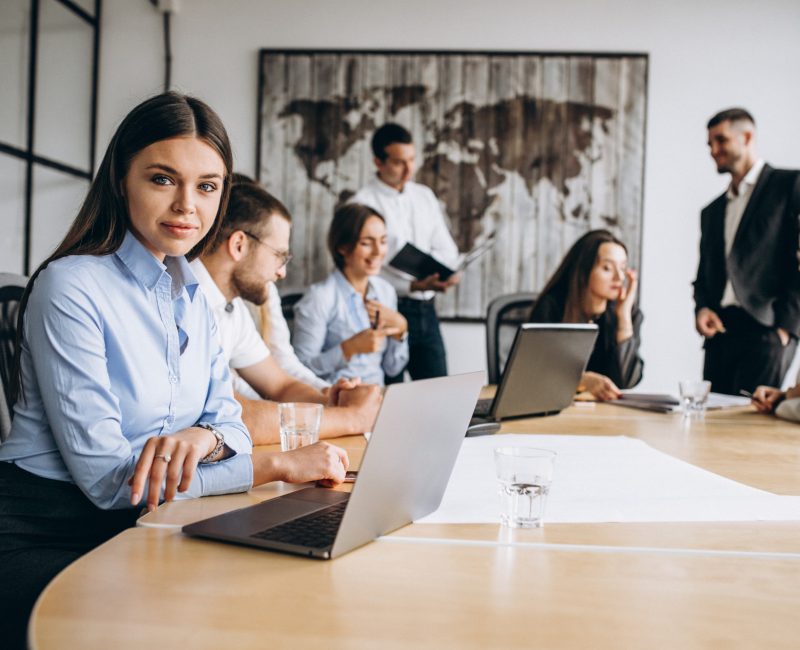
607 479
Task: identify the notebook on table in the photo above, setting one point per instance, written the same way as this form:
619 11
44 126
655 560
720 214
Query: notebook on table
403 475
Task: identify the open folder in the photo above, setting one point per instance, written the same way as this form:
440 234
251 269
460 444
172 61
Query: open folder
415 262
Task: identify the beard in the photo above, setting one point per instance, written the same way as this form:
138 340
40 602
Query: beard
249 287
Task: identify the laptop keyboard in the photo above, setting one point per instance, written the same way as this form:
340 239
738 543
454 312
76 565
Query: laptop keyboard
483 406
315 530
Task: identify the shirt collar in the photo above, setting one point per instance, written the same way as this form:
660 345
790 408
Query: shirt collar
216 299
385 189
749 180
349 290
148 270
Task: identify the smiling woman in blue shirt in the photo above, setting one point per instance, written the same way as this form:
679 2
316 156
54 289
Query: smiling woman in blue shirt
123 396
348 324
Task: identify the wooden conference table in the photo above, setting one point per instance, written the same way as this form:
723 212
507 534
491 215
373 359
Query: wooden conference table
670 585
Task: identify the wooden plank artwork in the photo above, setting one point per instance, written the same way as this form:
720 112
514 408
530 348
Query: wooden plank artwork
537 148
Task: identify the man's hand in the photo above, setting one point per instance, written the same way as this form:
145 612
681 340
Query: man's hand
363 402
433 283
333 393
320 462
708 323
766 398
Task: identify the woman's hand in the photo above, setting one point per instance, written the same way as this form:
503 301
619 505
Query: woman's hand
600 386
627 294
624 306
766 398
386 319
175 457
321 462
366 341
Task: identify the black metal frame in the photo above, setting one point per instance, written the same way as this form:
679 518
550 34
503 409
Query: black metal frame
28 154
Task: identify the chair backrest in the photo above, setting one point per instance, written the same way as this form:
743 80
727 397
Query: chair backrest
503 316
12 287
287 306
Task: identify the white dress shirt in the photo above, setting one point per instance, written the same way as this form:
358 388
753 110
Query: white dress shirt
734 209
238 337
412 215
279 344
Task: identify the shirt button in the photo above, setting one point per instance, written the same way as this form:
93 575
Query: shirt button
172 379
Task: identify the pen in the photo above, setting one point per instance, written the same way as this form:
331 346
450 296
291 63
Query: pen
377 316
746 394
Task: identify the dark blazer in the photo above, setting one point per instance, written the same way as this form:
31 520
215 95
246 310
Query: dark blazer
763 262
620 362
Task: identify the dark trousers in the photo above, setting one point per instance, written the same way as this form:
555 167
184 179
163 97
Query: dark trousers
746 355
427 357
44 526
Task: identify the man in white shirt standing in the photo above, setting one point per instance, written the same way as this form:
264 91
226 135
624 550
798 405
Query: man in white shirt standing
413 214
747 291
251 250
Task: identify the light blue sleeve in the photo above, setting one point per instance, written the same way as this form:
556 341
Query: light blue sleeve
395 355
311 316
64 334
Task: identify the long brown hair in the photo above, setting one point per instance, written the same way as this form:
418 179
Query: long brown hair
569 284
102 220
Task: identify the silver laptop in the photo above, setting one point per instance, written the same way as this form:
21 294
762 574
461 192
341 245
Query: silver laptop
403 476
543 370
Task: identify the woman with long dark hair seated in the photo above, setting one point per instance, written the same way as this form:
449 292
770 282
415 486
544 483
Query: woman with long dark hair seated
123 395
594 284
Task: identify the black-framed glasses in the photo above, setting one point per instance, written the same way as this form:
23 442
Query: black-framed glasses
284 256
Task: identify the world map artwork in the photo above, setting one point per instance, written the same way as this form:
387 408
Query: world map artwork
535 168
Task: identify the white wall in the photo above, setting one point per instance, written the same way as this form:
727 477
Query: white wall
704 56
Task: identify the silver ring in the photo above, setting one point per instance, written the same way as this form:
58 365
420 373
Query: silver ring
165 457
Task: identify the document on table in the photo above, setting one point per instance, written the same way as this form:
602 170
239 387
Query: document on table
663 403
607 479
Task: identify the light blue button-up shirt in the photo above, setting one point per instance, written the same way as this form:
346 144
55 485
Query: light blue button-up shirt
332 311
117 349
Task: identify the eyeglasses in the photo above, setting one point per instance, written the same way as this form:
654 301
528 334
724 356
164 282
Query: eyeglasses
284 256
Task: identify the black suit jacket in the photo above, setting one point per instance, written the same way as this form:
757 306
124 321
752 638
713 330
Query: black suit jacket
763 262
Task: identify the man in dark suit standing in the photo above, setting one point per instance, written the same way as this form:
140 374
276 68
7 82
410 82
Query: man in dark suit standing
747 291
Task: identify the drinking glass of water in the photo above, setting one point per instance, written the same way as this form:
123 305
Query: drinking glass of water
525 475
694 395
299 424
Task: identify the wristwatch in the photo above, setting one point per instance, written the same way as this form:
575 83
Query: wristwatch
217 451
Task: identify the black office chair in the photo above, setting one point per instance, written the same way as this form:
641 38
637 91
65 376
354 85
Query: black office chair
287 306
503 316
12 287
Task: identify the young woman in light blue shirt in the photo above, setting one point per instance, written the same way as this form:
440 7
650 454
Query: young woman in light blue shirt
123 396
348 324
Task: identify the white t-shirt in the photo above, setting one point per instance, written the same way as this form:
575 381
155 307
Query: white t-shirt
280 346
238 337
413 215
